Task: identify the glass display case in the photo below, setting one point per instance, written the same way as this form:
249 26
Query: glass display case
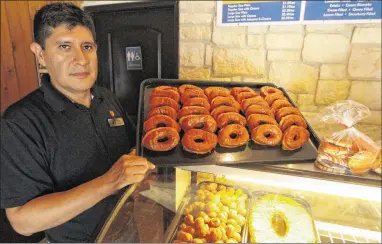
342 210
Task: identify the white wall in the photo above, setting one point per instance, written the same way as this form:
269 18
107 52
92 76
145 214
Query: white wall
95 3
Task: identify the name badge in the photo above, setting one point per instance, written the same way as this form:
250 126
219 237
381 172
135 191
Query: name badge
115 122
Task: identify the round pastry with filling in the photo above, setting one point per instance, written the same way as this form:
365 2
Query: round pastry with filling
280 219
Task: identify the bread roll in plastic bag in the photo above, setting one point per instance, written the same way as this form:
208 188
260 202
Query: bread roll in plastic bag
348 151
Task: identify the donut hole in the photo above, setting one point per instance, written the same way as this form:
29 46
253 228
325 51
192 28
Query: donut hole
161 125
231 122
233 135
199 126
268 134
162 139
199 140
279 224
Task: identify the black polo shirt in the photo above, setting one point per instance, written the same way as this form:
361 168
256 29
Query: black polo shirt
51 144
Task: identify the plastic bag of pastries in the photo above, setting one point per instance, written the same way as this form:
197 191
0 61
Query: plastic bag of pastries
348 151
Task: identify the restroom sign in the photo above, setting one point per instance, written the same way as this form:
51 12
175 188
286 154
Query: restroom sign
134 58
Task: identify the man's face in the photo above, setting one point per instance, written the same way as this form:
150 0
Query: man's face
71 58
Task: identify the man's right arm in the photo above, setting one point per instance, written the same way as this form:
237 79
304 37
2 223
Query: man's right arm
54 209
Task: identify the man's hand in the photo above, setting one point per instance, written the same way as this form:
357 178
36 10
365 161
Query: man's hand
129 169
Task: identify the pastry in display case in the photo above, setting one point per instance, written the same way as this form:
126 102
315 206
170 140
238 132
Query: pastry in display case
210 203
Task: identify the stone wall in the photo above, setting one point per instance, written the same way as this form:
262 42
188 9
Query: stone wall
316 64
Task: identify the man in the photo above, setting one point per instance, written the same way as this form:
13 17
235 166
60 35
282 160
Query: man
64 147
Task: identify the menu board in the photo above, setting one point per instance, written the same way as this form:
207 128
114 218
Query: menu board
297 12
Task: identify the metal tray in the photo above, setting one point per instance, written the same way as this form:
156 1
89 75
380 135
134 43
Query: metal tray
189 198
250 153
257 194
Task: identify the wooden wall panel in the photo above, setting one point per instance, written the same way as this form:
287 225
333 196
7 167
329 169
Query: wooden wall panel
19 74
9 83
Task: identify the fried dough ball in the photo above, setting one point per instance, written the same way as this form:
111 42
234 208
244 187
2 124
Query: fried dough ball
232 213
203 231
182 226
212 207
184 236
223 216
236 236
190 229
189 219
230 230
215 235
221 188
212 187
212 215
214 222
199 222
242 211
198 240
240 219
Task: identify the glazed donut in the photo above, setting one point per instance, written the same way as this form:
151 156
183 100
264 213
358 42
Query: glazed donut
273 97
163 101
226 101
164 110
165 88
191 93
258 109
244 95
208 90
282 112
255 120
292 119
334 150
199 141
254 100
185 87
266 90
294 138
233 136
218 93
280 103
267 134
174 95
230 118
203 122
160 121
223 109
192 110
161 139
236 90
197 101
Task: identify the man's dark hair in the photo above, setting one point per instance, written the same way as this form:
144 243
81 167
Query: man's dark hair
52 15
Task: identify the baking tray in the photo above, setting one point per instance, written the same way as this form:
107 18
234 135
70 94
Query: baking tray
257 194
250 153
189 198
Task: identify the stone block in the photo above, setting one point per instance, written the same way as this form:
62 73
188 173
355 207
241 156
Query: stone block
333 71
256 41
372 131
200 32
308 108
232 36
294 77
195 18
283 41
194 73
365 63
305 99
326 48
278 55
344 29
209 50
330 91
220 78
367 93
287 28
293 97
196 7
254 79
367 36
258 29
238 61
236 78
191 54
374 118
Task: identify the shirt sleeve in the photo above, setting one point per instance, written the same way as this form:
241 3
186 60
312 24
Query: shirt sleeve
24 165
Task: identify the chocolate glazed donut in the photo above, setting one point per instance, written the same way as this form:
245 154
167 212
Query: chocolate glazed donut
267 135
230 118
199 141
294 137
203 122
160 121
161 139
232 136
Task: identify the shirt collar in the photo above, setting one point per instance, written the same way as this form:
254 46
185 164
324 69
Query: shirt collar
56 99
